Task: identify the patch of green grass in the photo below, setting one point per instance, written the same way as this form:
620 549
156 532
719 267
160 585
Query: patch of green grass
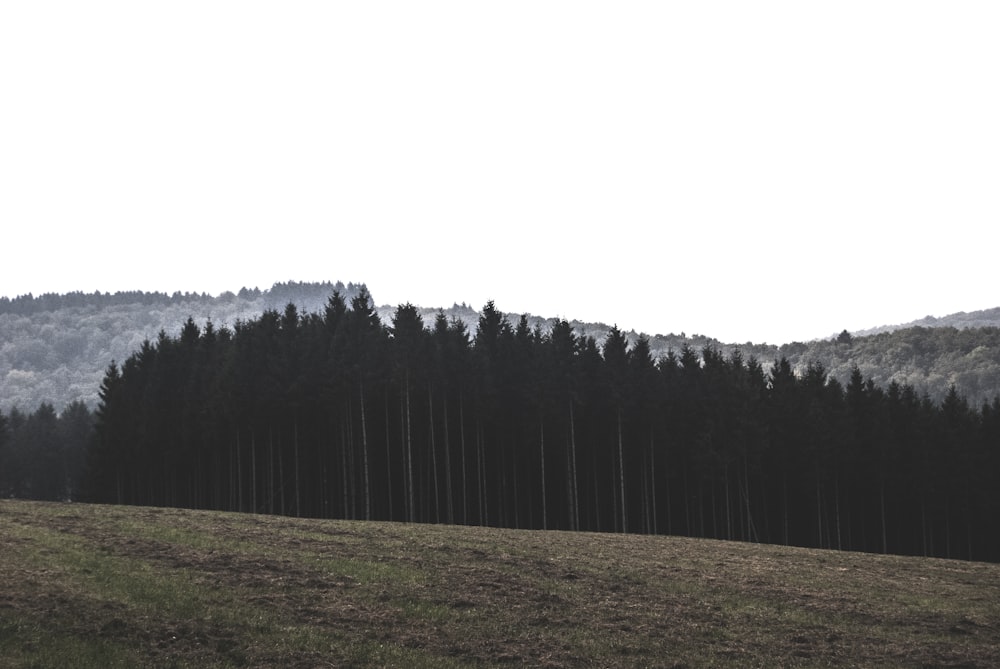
395 656
137 588
26 643
83 565
167 531
282 544
426 611
364 572
180 536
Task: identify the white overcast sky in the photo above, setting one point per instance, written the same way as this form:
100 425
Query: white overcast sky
765 171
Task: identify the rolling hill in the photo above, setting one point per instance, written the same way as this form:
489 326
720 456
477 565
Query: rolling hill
100 586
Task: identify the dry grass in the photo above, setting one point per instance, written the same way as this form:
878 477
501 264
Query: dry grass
106 586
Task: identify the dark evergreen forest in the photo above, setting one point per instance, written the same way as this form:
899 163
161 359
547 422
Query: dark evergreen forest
333 414
43 453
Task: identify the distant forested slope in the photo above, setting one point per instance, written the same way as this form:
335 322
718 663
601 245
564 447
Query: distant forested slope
56 348
973 319
930 359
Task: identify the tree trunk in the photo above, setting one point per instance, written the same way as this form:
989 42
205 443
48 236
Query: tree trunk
881 499
364 452
545 510
434 465
784 496
484 508
253 470
411 515
819 511
286 500
388 458
836 504
447 465
652 479
343 470
270 470
751 531
923 523
574 491
295 436
597 493
729 514
239 473
281 477
646 513
461 440
621 472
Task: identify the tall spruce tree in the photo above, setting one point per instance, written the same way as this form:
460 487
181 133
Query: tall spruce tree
618 380
409 345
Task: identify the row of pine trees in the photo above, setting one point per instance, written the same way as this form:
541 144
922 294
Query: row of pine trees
336 415
43 453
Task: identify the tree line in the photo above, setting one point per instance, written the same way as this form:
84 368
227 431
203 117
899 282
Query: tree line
43 453
931 359
333 414
56 347
280 293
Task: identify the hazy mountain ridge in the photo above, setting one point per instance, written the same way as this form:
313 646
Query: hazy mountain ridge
56 348
961 320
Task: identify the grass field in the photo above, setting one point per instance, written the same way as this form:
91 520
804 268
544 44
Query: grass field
105 586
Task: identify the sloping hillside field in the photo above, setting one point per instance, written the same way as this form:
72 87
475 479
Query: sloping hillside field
103 586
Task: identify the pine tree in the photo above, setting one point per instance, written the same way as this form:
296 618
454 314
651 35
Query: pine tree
364 355
562 374
409 347
616 363
106 460
76 425
644 383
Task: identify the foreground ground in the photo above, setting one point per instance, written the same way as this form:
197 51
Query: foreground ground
104 586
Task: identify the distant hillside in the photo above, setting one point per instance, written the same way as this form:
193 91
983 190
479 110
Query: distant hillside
961 320
56 348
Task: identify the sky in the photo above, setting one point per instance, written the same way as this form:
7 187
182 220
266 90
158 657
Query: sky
752 171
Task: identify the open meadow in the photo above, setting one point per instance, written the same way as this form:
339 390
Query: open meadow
115 586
